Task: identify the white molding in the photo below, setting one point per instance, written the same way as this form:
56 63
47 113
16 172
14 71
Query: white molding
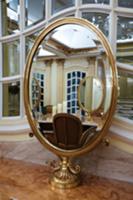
77 6
22 15
0 19
21 99
11 79
14 125
117 130
1 59
98 7
78 3
48 9
125 67
1 71
21 128
10 38
113 30
122 127
15 129
22 64
124 11
95 9
1 101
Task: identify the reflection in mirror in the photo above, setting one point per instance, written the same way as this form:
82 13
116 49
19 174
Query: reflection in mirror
36 96
90 95
61 61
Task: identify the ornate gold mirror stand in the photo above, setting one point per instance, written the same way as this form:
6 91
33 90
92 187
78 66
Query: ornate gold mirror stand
66 176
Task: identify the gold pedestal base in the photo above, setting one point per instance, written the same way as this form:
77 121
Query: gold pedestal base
65 176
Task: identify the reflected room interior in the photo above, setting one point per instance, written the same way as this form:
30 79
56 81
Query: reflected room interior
60 64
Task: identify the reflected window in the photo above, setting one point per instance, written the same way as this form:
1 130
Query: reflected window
58 5
37 88
96 1
101 20
126 4
10 16
73 80
125 99
34 11
11 53
125 40
11 99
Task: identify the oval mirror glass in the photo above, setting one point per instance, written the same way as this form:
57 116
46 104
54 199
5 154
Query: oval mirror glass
70 56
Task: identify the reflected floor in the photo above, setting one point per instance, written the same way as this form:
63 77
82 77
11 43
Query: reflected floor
27 181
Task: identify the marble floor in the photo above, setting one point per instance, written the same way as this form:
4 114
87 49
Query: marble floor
21 180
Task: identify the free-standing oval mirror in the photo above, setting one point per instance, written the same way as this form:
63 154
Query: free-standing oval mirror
66 52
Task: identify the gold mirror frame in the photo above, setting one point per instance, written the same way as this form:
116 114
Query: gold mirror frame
67 176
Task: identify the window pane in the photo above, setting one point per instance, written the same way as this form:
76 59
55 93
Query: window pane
58 5
29 41
72 102
125 40
101 20
125 99
11 99
34 11
10 16
127 4
11 52
95 1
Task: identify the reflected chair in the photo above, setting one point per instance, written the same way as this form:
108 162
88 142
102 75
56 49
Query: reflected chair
68 131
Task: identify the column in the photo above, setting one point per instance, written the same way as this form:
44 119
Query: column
47 83
92 67
54 89
60 80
